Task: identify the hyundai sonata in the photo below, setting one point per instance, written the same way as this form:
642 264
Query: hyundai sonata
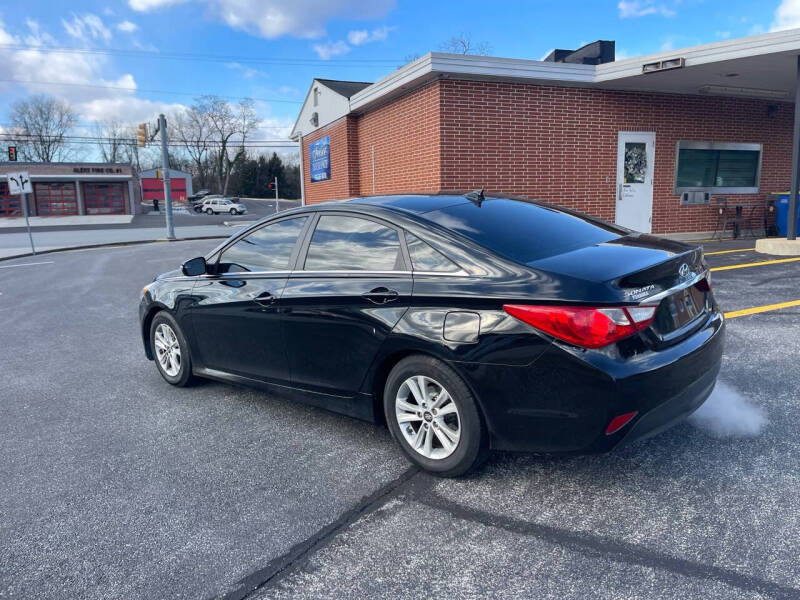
463 323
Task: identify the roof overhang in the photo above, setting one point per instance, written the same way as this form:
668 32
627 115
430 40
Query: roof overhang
762 66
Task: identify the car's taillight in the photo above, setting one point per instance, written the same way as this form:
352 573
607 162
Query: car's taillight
588 327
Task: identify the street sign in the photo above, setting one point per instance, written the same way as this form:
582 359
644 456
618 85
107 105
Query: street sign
12 153
19 183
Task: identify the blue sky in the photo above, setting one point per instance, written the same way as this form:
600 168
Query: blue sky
130 71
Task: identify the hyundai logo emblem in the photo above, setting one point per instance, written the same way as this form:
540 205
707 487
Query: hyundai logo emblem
683 271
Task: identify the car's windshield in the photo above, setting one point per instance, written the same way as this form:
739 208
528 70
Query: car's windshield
523 231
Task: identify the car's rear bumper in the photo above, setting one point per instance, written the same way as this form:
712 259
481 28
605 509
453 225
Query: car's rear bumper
564 401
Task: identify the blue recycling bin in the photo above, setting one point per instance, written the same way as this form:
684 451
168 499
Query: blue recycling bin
782 215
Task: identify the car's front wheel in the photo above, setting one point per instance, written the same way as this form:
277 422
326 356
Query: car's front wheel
209 211
234 211
434 417
170 350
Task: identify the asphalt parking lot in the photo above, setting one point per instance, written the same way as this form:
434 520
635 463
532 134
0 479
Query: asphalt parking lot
114 484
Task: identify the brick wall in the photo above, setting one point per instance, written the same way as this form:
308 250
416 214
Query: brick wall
405 136
344 162
560 144
552 143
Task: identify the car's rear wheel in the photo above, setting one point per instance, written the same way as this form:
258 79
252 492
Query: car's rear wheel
170 350
434 417
209 211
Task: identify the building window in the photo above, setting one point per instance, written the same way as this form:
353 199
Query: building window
104 198
10 206
55 199
718 167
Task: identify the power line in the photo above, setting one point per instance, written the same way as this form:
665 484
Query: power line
128 89
289 61
210 145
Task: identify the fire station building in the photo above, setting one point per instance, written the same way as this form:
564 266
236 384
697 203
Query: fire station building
659 143
63 189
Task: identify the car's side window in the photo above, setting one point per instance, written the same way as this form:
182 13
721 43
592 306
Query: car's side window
342 243
266 249
425 258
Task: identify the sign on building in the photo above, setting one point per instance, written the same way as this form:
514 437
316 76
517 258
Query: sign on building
319 153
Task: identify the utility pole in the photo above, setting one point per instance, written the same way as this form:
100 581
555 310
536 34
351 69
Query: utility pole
277 206
162 126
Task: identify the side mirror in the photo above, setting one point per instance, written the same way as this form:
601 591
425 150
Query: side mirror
194 267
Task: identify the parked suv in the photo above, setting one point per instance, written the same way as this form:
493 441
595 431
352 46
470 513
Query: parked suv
218 205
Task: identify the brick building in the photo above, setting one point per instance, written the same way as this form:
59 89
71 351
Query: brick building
66 189
651 142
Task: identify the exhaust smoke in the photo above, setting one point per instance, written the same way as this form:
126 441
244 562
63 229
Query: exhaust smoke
727 413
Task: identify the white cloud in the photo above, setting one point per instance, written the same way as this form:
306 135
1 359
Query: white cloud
357 37
82 78
248 72
148 5
127 26
276 18
641 8
787 16
87 27
328 50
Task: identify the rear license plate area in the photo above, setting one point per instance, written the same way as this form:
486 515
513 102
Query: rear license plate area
679 310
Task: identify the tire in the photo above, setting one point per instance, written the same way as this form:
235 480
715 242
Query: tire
165 327
234 211
209 211
400 400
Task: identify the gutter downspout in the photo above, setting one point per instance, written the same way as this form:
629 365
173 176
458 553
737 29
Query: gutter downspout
299 137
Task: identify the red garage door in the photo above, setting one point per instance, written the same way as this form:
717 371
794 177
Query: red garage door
9 205
55 199
153 189
104 198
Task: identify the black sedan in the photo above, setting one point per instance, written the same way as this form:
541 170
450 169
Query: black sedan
463 323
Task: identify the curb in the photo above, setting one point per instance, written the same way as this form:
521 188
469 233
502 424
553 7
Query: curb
113 245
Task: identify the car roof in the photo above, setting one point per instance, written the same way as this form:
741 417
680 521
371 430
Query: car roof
416 204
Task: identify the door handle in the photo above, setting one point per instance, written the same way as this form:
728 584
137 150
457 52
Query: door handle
265 298
381 295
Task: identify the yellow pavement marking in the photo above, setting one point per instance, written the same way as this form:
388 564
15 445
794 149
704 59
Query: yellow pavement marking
756 264
760 309
727 251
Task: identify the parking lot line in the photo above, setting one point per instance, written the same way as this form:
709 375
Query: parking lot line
756 264
45 262
728 251
760 309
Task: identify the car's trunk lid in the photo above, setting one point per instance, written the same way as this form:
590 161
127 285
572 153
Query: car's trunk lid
639 269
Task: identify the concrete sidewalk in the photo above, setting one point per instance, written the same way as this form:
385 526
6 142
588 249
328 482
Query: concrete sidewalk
17 244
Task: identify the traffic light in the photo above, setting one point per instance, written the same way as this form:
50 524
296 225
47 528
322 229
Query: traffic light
12 153
159 175
141 135
269 186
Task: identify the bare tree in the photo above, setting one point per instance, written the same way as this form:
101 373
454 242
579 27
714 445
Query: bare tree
227 124
43 122
193 129
116 140
464 44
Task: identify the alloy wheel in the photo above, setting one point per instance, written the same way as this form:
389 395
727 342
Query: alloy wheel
168 350
428 417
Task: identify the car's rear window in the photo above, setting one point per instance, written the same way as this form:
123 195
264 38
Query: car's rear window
523 231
